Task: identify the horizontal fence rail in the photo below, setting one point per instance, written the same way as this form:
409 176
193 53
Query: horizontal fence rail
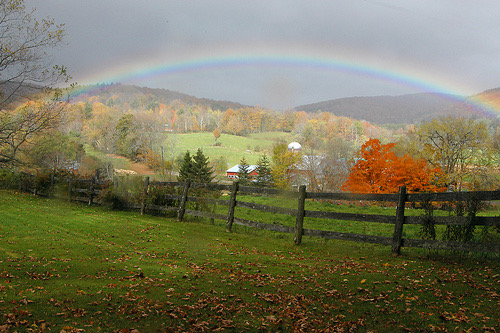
195 199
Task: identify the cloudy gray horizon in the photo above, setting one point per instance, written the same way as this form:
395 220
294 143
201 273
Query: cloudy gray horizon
337 49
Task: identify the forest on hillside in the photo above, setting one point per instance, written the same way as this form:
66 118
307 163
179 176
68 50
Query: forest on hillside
410 109
140 123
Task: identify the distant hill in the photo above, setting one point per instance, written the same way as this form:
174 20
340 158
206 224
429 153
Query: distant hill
404 109
17 92
488 101
133 94
409 109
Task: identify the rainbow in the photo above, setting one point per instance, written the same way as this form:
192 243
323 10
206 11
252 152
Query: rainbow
406 75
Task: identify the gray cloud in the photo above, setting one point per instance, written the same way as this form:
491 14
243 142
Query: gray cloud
456 41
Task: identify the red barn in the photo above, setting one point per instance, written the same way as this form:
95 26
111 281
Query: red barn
232 173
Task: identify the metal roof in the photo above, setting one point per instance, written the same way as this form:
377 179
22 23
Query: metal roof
236 168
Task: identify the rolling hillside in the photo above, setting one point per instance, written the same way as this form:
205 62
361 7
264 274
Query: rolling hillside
146 97
411 108
232 148
408 109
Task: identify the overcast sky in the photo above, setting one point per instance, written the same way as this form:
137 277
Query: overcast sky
282 53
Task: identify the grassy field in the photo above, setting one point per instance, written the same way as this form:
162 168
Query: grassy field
118 163
232 147
367 228
76 268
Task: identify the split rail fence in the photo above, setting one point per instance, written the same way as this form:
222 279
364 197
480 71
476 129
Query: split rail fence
89 190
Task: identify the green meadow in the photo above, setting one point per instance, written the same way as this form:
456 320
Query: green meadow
233 148
411 231
74 268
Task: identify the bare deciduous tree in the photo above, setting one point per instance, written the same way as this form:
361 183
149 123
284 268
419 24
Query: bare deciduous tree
25 69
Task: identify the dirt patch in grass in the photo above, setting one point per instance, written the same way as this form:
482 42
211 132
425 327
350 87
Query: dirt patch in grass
139 168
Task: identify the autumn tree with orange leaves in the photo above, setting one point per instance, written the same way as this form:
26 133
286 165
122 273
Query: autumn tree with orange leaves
379 170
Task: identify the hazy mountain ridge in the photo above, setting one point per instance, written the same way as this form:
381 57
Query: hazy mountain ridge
411 108
144 95
403 109
489 100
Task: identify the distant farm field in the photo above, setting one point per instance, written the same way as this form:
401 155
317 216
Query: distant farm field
233 148
76 268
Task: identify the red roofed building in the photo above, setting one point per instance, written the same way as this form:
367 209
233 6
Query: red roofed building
232 173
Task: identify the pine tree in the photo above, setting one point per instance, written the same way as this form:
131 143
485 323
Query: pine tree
186 168
244 172
264 177
202 172
195 168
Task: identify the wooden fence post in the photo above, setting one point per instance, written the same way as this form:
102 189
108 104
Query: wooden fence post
20 182
70 189
299 223
232 205
51 187
400 220
144 194
91 190
182 206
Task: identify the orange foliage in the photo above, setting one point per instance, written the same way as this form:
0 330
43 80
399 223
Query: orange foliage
379 170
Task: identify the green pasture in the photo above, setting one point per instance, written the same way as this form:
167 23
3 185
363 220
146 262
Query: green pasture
368 208
76 268
118 163
231 147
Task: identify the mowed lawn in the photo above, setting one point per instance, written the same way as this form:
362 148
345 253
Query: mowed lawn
71 267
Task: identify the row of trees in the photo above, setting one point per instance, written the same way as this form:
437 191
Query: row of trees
464 148
115 128
443 154
455 153
446 153
451 164
181 116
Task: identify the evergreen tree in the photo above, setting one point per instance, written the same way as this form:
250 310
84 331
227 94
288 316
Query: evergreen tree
244 172
195 168
264 177
186 168
202 172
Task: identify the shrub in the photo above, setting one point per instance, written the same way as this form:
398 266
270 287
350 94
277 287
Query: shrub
463 233
111 198
124 191
157 196
428 229
9 179
43 183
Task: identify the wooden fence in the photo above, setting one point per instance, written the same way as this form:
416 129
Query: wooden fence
178 203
